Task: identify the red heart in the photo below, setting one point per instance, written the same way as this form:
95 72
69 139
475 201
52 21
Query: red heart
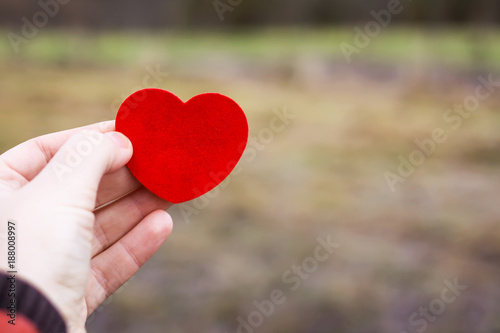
182 150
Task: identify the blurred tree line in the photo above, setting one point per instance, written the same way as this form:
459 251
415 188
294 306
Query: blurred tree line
147 14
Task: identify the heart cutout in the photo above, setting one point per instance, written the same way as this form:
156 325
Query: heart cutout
182 150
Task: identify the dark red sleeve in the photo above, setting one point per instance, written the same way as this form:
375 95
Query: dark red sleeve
23 309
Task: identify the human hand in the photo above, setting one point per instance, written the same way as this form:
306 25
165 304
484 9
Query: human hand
84 224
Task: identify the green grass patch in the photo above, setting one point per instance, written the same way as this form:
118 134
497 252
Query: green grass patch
455 47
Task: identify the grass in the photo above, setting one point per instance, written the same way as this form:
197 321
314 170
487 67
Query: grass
443 46
322 175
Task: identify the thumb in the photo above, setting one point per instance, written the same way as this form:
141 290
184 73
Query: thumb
85 158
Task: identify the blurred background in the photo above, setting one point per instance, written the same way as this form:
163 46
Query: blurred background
360 88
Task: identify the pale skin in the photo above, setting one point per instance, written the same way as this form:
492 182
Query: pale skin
85 225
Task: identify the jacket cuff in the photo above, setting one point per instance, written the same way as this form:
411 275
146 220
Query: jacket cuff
17 297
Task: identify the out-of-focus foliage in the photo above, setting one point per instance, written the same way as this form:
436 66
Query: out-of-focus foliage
129 14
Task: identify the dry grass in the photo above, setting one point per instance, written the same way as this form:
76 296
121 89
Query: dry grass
323 174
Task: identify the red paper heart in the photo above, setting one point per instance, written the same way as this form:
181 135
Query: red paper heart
182 150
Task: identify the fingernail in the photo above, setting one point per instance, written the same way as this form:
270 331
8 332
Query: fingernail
120 139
